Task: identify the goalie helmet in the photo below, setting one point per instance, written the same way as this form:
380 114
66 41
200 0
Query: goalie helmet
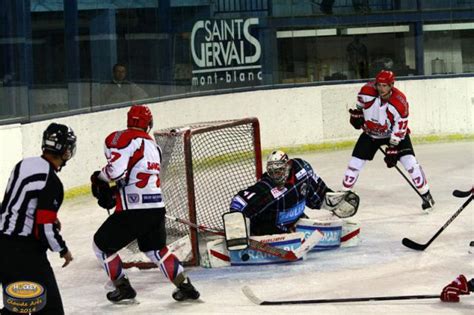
139 116
59 139
277 167
385 76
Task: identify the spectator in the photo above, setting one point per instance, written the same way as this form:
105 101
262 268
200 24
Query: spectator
326 6
360 6
358 58
120 90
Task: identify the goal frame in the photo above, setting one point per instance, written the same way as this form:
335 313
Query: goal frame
188 158
187 133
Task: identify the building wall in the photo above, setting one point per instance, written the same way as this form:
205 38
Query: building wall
288 117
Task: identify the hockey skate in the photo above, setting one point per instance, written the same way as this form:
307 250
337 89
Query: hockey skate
185 291
428 203
123 291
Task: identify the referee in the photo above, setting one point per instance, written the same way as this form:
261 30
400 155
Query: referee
28 217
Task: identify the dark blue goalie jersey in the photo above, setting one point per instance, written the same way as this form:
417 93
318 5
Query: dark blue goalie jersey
274 210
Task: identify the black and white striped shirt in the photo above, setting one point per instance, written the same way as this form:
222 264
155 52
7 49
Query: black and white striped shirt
32 199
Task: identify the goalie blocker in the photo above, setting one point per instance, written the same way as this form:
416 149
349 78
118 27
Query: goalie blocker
236 230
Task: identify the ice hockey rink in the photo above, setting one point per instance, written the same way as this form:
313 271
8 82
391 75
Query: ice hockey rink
380 266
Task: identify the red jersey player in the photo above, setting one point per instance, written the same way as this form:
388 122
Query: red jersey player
133 163
382 113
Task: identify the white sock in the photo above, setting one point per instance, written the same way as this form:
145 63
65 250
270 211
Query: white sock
352 173
417 175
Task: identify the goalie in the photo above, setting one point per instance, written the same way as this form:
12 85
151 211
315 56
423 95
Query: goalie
277 201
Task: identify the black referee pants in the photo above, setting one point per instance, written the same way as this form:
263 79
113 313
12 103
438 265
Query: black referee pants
26 260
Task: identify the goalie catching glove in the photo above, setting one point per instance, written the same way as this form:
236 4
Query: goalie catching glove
102 192
343 204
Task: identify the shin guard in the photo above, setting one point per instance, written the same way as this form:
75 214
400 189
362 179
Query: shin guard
169 265
111 263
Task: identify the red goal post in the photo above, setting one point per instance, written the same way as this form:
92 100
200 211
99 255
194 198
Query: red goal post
203 166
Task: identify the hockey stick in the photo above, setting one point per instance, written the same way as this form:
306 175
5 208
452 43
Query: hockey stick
252 297
405 177
416 246
309 243
462 194
256 245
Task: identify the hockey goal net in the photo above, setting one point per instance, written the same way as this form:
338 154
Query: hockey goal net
203 166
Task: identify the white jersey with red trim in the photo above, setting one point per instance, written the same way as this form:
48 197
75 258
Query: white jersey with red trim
384 118
134 164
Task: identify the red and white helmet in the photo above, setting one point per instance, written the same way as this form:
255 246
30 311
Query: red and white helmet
385 76
139 116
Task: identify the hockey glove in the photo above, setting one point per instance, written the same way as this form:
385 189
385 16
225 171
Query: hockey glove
391 156
343 204
357 118
102 192
452 291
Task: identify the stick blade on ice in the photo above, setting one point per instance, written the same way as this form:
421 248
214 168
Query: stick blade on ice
462 194
413 245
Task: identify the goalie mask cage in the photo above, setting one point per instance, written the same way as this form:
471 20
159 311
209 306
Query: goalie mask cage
203 166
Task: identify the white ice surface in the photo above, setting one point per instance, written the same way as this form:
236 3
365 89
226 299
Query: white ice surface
379 266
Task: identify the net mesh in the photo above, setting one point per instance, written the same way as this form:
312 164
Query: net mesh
223 160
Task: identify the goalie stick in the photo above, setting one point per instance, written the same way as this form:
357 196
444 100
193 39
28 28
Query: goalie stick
260 246
305 247
416 246
252 297
462 194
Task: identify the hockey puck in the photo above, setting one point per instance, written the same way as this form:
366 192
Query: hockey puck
471 244
24 297
245 257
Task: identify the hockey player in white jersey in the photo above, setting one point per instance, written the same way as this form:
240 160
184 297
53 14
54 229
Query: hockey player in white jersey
382 113
133 163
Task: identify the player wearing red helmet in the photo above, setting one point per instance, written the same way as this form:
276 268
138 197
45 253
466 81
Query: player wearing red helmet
133 163
140 117
382 113
384 82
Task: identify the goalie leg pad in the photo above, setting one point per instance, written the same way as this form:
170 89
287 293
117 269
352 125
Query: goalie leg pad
169 265
218 253
249 256
350 234
111 263
329 227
